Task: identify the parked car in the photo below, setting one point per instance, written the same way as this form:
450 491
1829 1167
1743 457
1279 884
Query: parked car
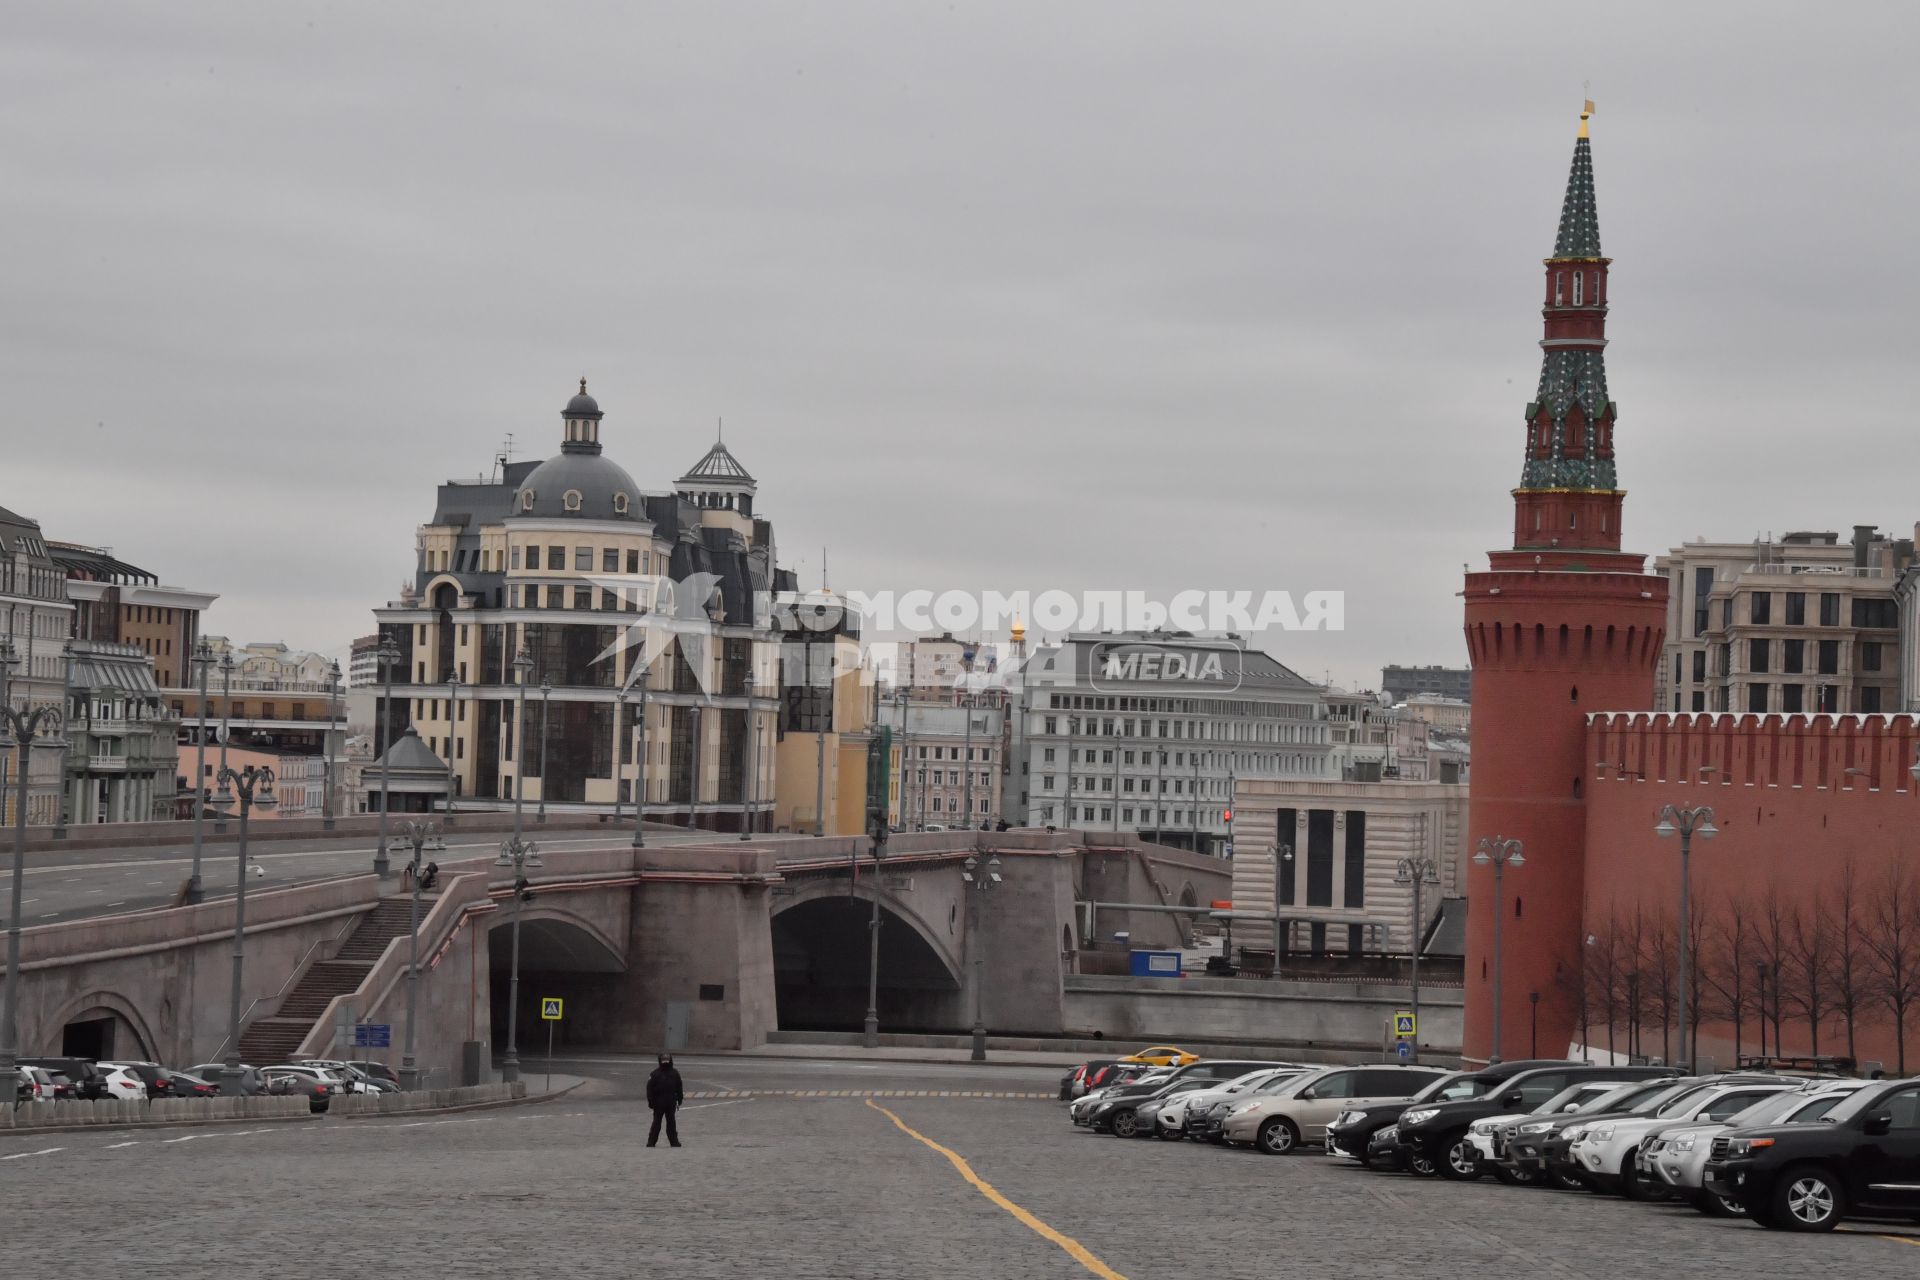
1119 1112
1864 1156
88 1080
251 1085
318 1084
157 1079
1074 1083
1171 1120
1678 1157
378 1071
1162 1055
1281 1121
1608 1153
24 1086
351 1077
1538 1151
1082 1107
1436 1134
187 1085
122 1085
1355 1133
1491 1136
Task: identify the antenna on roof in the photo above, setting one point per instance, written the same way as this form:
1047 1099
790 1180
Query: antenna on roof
823 569
719 430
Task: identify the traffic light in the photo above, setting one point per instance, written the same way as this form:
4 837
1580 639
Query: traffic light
1229 815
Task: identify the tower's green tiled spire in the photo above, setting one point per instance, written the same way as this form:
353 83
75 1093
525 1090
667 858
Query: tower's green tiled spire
1579 218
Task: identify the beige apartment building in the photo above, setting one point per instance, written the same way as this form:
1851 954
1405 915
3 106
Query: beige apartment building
1801 623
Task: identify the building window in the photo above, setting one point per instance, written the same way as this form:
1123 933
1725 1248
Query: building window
1756 697
1793 656
583 597
1699 666
583 559
1830 657
1870 698
1760 608
570 499
610 560
526 499
1796 608
1757 655
620 504
1875 613
1869 656
1578 277
1792 697
555 597
556 558
1829 608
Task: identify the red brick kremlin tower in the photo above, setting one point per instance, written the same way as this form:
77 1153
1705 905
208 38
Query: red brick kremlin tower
1564 624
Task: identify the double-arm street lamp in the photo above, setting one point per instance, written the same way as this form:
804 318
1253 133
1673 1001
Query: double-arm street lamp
22 726
1501 853
521 856
640 768
546 704
981 880
418 833
253 789
202 660
222 798
1686 823
1416 871
388 656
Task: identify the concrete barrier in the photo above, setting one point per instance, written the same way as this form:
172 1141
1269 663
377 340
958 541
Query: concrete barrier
359 1105
70 1113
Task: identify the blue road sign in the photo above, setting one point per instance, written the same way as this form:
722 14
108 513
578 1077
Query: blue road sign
1405 1050
373 1035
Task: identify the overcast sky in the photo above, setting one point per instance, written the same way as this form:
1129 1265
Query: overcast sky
1039 294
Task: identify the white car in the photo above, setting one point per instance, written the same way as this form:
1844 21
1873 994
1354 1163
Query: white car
1678 1157
1486 1135
352 1078
1172 1119
1607 1153
123 1084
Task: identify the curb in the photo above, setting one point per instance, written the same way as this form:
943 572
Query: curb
529 1100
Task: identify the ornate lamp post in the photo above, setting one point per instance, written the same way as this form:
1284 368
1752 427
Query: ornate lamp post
521 856
1501 853
388 655
619 765
202 659
981 880
222 798
333 700
640 769
1686 823
453 731
417 832
254 789
1417 871
22 726
546 703
522 668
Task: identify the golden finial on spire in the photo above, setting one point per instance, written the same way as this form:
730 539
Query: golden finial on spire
1585 111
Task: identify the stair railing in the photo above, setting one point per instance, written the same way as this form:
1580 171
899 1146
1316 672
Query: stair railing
299 970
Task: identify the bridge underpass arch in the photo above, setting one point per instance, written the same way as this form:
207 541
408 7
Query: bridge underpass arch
820 956
561 956
101 1025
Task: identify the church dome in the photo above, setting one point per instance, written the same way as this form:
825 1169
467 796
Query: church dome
582 405
579 482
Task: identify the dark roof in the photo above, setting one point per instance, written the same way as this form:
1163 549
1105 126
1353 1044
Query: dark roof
97 565
1579 218
409 752
592 475
719 464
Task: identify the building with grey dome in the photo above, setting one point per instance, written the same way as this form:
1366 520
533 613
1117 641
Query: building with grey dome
570 563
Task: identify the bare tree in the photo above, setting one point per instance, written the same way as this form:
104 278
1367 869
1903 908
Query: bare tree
1603 977
1772 931
1661 964
1850 961
1728 963
1806 984
1893 950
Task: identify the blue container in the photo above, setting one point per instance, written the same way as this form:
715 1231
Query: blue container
1154 964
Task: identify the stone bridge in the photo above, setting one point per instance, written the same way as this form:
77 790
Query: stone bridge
699 946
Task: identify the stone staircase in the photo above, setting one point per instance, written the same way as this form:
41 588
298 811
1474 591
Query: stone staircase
268 1041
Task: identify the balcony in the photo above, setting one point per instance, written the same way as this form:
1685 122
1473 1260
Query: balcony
1819 571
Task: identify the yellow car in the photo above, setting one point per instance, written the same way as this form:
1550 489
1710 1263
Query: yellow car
1163 1055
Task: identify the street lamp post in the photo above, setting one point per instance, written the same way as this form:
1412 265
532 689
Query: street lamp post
22 726
333 700
222 798
521 856
750 730
1283 859
619 765
68 658
981 880
546 709
640 771
1501 853
416 832
1417 871
253 789
388 656
453 731
522 667
1686 823
202 659
966 780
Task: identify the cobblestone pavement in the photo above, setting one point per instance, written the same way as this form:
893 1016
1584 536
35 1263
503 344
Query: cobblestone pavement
817 1186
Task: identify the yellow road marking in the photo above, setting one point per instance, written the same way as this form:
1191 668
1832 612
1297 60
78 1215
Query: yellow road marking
1908 1240
1073 1248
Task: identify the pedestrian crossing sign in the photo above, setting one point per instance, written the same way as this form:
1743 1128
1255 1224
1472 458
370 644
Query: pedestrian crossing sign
1403 1025
550 1008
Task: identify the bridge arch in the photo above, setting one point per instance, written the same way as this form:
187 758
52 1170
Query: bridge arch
562 956
100 1024
820 955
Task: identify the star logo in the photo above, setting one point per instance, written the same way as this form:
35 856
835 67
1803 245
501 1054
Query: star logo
673 612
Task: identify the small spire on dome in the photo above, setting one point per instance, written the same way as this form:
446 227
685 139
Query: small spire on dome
583 377
1585 112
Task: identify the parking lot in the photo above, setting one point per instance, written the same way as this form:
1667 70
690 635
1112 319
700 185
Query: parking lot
794 1169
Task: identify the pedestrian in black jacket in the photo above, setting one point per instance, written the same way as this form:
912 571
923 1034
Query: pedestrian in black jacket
665 1094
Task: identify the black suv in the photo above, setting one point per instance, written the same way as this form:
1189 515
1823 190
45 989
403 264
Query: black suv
1116 1112
1434 1136
1862 1157
1353 1134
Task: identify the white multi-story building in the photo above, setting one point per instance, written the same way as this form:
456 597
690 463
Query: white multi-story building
1146 732
948 759
35 618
